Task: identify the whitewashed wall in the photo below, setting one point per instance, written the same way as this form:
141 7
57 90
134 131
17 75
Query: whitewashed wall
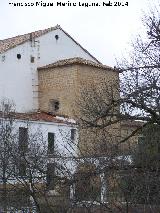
63 144
65 149
19 77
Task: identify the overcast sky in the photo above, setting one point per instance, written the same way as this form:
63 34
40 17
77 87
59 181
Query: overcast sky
103 31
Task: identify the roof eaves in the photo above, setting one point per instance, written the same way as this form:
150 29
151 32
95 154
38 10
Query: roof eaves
26 37
79 61
39 117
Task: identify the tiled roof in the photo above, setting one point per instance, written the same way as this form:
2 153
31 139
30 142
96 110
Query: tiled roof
9 43
39 116
77 60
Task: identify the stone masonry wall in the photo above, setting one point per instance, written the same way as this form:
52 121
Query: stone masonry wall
59 84
65 84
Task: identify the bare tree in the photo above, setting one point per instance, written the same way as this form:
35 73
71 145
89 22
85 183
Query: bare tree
6 139
103 114
35 174
106 179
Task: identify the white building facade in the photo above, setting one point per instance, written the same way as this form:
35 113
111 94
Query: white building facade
19 59
38 139
22 55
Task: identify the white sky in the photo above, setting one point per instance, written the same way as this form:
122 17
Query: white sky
103 31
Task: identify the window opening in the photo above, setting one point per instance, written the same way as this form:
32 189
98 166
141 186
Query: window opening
51 140
73 135
54 105
19 56
23 146
32 59
3 58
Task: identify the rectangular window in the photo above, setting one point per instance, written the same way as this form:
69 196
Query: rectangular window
50 176
23 139
3 58
23 147
32 59
73 135
51 139
54 105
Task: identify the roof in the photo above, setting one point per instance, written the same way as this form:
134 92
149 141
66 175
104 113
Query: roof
10 43
76 60
39 116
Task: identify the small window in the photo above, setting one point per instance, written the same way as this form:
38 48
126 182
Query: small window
32 59
54 105
6 107
51 140
3 58
73 135
23 139
19 56
56 37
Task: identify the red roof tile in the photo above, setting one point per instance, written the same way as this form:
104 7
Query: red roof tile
9 43
38 116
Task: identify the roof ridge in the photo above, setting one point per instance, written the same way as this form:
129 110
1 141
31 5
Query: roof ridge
76 60
49 28
12 42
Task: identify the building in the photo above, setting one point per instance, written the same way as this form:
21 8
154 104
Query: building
36 148
50 70
44 73
20 57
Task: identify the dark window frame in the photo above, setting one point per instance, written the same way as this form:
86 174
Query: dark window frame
32 59
19 56
23 148
51 142
73 135
54 105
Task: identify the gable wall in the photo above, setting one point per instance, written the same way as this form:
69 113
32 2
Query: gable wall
52 50
16 77
19 78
